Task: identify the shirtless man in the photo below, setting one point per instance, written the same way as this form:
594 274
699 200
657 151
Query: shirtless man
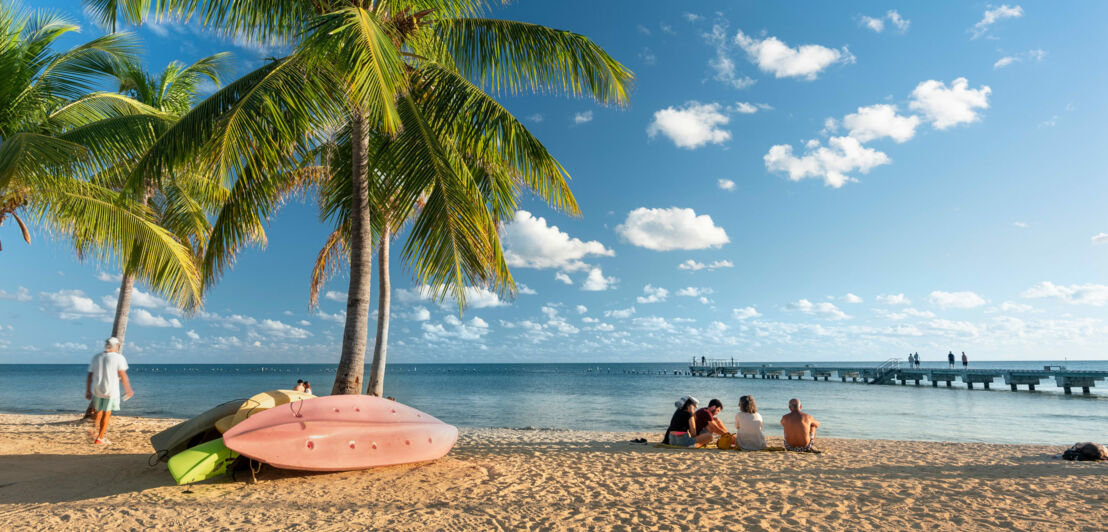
800 429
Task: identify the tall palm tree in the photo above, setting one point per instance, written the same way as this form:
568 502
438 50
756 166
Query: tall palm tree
409 80
57 134
180 202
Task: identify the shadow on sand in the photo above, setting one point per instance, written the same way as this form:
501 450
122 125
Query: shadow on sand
52 478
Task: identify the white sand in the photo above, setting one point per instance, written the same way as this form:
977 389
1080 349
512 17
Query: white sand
52 478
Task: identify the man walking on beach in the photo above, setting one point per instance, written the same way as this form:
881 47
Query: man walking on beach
105 373
965 360
800 429
950 358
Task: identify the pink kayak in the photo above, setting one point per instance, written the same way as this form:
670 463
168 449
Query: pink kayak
341 433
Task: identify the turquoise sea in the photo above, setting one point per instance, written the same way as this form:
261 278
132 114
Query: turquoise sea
605 396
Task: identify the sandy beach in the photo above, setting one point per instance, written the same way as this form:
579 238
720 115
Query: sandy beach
51 478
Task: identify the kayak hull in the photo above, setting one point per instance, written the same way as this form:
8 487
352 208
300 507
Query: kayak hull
341 433
207 460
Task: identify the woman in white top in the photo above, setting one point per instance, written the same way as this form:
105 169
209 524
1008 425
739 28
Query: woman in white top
748 425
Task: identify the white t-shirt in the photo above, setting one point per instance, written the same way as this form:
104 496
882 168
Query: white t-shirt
749 428
105 368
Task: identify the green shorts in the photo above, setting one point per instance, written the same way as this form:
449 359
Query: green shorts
101 404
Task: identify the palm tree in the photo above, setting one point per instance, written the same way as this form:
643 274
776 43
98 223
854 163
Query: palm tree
406 83
179 202
57 134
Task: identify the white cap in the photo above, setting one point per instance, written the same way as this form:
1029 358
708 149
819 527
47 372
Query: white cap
113 341
685 398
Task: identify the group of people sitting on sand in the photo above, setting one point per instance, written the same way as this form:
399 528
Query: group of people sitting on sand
693 427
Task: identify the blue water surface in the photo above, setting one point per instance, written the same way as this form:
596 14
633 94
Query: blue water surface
617 397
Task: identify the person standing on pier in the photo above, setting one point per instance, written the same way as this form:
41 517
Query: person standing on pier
917 360
950 358
910 360
965 360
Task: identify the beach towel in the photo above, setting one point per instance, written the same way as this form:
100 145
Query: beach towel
714 448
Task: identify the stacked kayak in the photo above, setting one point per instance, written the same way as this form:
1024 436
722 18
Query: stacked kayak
341 433
292 430
195 449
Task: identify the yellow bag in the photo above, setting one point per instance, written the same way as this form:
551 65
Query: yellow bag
725 441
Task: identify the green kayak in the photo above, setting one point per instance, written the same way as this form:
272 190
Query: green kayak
207 460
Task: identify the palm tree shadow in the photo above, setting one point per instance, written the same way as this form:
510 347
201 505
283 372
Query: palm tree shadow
53 478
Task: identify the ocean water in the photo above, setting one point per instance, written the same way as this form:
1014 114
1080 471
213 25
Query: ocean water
618 397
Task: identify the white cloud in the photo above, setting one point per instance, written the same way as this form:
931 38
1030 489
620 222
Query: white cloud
952 328
476 297
525 290
536 118
21 295
282 330
338 317
108 277
822 309
691 126
947 300
1078 294
653 294
1021 225
418 314
747 108
305 323
671 228
831 163
192 335
693 265
880 121
1004 61
725 184
335 296
994 15
805 61
144 318
582 118
559 276
581 309
945 107
530 243
73 305
746 313
691 17
596 282
851 298
472 330
620 313
1030 55
1010 306
894 299
71 346
692 291
722 64
1100 238
877 24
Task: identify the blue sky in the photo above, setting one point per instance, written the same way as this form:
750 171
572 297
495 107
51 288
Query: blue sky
832 181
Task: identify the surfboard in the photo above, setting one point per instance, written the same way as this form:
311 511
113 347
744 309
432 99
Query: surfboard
341 433
192 432
207 460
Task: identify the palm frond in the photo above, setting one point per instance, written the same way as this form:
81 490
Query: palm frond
509 56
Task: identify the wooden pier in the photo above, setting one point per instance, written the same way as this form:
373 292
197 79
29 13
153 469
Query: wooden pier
891 372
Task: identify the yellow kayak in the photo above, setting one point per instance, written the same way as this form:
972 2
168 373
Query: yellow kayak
260 403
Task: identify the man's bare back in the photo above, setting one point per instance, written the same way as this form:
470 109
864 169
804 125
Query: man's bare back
799 427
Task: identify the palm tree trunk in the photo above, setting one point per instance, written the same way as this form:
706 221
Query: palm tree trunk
123 308
377 371
348 377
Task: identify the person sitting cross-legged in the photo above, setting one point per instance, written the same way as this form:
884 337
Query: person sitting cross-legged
800 429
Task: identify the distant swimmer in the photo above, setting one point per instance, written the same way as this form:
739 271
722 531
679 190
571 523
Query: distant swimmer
105 373
800 429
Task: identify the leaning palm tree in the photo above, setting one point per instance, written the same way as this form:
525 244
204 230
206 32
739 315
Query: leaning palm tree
410 80
180 202
57 133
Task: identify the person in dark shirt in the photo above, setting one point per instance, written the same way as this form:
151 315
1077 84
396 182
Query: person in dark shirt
706 421
950 358
682 426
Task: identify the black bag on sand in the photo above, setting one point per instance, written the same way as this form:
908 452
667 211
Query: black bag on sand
1086 452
